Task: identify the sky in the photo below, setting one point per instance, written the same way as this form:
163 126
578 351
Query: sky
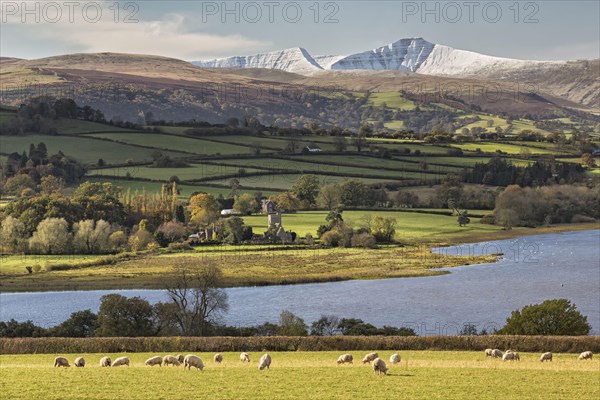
199 30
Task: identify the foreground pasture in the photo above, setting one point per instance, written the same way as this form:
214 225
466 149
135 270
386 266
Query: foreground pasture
305 375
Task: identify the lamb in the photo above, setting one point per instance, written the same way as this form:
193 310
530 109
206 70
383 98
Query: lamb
193 361
370 357
152 361
61 362
171 360
586 355
379 366
489 352
265 362
395 359
496 353
79 362
218 358
245 357
180 358
345 358
546 357
121 361
105 362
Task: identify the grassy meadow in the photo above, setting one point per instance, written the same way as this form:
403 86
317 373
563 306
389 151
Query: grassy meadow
304 375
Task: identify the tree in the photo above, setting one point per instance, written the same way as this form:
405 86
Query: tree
291 325
90 237
80 324
51 237
18 183
327 325
13 234
306 188
383 228
588 160
122 316
329 196
204 208
100 200
232 230
172 231
463 218
245 204
14 329
286 201
51 184
361 139
340 144
556 317
353 193
198 302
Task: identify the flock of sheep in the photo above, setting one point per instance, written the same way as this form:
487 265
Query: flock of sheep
188 361
511 355
379 366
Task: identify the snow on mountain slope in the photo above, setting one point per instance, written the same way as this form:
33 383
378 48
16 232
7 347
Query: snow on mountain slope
405 54
296 60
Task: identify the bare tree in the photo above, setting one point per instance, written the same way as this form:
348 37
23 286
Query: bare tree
199 303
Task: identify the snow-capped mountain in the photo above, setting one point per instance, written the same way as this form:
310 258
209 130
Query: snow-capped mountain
412 54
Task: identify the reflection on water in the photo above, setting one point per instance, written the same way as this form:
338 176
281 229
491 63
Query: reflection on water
531 270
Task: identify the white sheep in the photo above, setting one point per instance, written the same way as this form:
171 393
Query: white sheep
193 361
511 356
218 358
120 361
370 357
79 362
61 362
395 359
379 366
265 362
489 352
586 355
245 357
171 360
180 358
105 362
152 361
496 353
345 358
546 357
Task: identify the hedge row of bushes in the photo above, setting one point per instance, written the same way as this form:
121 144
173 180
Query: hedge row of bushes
557 344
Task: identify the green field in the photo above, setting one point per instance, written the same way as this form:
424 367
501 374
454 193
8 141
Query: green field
304 375
176 143
84 149
194 171
490 147
393 100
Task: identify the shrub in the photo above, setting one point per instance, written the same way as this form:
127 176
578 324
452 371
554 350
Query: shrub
331 238
364 240
488 219
179 246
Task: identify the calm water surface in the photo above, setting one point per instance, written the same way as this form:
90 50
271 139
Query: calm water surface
533 269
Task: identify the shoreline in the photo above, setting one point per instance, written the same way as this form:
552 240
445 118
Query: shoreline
157 282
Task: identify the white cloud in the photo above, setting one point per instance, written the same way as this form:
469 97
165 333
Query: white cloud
166 37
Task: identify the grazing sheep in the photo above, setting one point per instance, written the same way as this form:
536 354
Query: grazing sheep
395 359
193 361
171 360
120 361
546 357
586 355
345 358
265 362
488 352
379 366
245 357
105 362
79 362
496 353
152 361
511 356
370 357
61 362
180 358
218 358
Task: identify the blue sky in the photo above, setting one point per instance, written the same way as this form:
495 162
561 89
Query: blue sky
193 30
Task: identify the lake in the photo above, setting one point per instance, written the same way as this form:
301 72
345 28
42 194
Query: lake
531 270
